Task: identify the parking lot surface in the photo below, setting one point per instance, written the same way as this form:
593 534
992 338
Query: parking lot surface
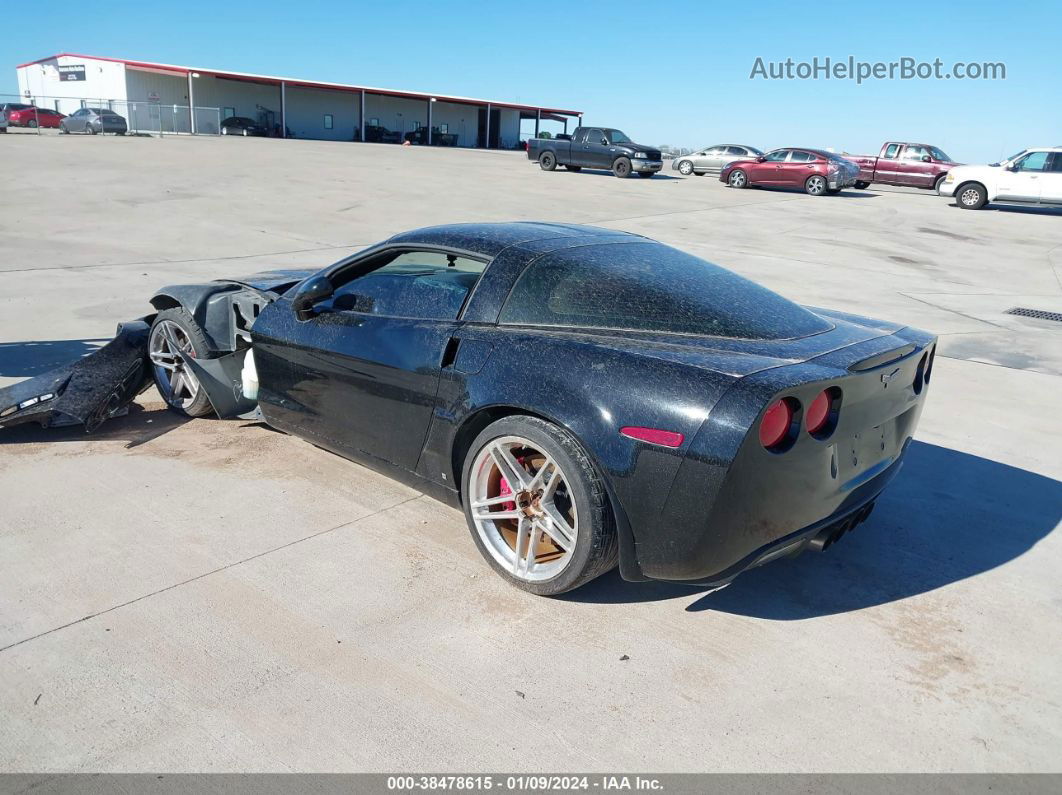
216 596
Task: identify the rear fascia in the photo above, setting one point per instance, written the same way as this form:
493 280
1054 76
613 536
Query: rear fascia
733 501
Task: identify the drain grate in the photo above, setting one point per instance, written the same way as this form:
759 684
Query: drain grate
1039 314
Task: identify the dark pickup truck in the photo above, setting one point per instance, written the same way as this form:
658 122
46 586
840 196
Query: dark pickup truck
595 147
901 163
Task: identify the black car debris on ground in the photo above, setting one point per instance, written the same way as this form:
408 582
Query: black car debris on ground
588 397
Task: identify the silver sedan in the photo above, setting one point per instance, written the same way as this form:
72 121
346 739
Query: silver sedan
712 159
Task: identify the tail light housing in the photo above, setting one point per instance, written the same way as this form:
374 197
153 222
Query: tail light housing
821 416
779 423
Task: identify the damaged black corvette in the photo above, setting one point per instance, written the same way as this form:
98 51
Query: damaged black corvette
587 397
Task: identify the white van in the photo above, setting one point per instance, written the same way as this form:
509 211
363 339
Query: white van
1033 176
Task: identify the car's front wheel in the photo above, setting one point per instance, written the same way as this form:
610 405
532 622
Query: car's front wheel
90 129
685 168
547 161
174 336
972 196
32 124
738 179
815 185
938 183
621 167
224 130
245 133
536 507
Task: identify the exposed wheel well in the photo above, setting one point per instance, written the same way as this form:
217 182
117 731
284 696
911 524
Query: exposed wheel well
967 184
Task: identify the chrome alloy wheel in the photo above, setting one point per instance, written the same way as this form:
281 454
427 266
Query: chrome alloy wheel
970 197
178 385
685 168
816 186
738 179
523 509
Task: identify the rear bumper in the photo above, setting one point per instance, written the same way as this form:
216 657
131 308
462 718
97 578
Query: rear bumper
639 164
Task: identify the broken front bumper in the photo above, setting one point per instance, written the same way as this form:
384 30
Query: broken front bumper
87 391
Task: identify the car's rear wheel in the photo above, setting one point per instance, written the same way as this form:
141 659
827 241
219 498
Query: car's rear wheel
972 196
536 507
685 168
547 161
62 129
90 129
32 124
815 185
224 130
175 335
621 167
738 179
862 185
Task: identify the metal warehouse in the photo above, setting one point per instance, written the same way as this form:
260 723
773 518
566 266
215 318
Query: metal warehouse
164 98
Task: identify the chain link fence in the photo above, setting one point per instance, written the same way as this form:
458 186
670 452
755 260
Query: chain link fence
42 115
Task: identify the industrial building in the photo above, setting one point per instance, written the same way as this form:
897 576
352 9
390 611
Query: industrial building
182 99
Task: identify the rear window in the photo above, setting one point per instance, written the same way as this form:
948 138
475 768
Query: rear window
651 287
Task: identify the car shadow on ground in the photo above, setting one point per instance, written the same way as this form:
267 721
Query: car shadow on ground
29 359
1017 209
633 177
947 517
140 426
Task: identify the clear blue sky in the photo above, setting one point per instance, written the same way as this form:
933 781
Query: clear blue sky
675 72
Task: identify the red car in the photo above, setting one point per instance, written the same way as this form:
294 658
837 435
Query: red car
29 116
901 163
815 171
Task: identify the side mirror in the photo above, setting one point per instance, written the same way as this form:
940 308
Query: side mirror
927 159
1012 167
310 293
761 159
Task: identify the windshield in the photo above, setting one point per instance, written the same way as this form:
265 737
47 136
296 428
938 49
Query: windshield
1014 156
651 287
617 137
939 155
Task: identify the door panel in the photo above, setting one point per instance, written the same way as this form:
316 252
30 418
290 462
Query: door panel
769 172
360 383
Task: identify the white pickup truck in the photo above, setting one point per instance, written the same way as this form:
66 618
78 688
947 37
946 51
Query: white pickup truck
1032 176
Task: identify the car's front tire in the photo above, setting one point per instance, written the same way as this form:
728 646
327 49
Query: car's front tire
685 168
224 130
90 129
621 167
547 161
738 179
938 183
176 329
32 124
536 507
815 185
971 196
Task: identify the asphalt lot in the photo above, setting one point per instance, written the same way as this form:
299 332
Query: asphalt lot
216 596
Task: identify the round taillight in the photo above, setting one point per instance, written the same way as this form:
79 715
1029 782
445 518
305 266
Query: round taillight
818 413
774 427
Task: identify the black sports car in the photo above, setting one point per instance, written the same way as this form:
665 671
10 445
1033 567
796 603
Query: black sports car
241 125
586 396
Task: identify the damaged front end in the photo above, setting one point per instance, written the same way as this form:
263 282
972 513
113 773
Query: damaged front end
88 391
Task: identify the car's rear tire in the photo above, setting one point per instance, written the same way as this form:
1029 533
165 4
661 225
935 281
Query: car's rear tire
738 179
90 129
32 124
971 196
547 161
176 383
861 185
557 531
815 185
685 168
63 130
224 130
621 167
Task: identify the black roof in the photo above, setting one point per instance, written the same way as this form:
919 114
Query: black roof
489 240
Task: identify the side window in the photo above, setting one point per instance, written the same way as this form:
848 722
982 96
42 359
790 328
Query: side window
1055 166
915 153
328 121
595 136
892 151
736 150
415 284
1034 161
777 156
802 157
